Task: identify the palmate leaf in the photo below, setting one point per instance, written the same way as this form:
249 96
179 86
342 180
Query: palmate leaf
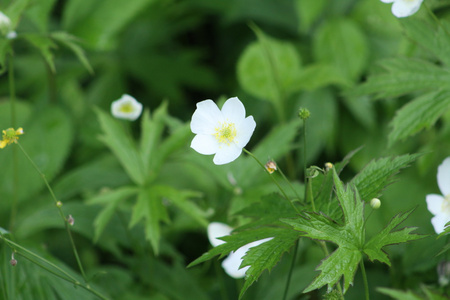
349 236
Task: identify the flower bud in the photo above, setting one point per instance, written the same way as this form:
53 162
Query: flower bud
13 261
70 220
375 203
59 204
271 166
303 113
328 166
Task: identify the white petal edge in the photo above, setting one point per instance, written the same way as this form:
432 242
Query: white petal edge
443 177
387 1
233 110
216 230
245 131
126 99
405 8
205 144
434 203
206 117
226 154
439 222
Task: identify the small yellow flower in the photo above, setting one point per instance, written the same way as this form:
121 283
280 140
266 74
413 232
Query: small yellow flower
271 166
10 136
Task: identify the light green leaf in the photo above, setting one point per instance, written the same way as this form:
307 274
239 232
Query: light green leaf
349 237
342 44
40 14
420 113
402 76
319 75
308 12
45 45
71 42
373 248
122 145
268 68
378 174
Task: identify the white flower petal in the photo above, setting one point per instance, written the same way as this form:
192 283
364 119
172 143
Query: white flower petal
434 203
205 144
405 8
443 177
216 230
206 117
226 154
132 111
233 110
232 262
387 1
245 131
439 222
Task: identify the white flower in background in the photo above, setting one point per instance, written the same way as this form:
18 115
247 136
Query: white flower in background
439 205
11 35
221 132
5 24
232 263
126 108
404 8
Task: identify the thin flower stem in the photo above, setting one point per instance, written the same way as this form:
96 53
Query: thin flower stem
291 269
289 183
61 213
435 18
15 171
273 179
363 272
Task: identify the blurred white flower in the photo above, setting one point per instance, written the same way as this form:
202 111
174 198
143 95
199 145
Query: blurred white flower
439 205
126 108
5 23
221 132
404 8
232 263
11 35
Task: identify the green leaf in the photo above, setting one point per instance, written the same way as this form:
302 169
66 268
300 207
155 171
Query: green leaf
122 145
349 237
378 174
40 14
319 75
384 238
422 112
268 67
402 76
149 206
399 295
45 45
111 200
343 34
71 42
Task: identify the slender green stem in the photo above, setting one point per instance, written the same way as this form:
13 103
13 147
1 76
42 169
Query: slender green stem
61 213
289 183
15 170
273 179
309 193
363 272
291 269
435 18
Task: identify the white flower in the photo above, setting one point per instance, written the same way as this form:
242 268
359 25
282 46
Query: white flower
232 263
439 205
404 8
126 108
221 132
11 35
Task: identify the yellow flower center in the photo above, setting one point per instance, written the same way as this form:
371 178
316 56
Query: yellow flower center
225 133
126 108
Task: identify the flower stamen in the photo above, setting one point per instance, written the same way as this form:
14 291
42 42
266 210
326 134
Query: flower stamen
225 133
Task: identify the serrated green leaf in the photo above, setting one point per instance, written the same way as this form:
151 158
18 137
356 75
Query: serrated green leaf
266 255
268 67
420 113
378 174
349 237
373 248
121 144
403 76
71 42
45 45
